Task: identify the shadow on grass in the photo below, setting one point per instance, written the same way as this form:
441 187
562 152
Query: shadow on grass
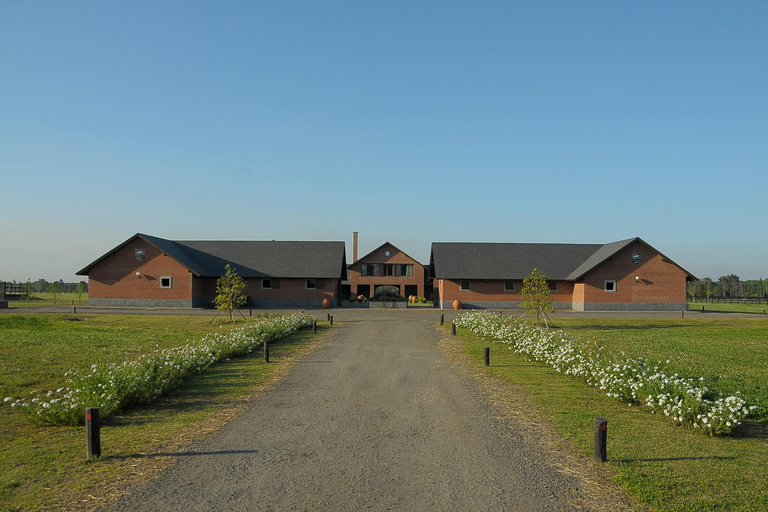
216 385
752 429
625 326
670 459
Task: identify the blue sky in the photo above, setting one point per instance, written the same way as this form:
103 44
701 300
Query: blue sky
410 122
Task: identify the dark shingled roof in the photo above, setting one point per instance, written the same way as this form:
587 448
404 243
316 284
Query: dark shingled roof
602 254
466 260
324 260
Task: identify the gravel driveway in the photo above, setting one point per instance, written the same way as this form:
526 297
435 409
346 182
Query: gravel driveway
377 418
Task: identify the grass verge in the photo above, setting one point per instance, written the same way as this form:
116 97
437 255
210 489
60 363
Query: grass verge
724 307
46 467
663 467
47 299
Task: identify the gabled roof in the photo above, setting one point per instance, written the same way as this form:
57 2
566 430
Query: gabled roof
381 247
608 250
559 262
467 260
325 260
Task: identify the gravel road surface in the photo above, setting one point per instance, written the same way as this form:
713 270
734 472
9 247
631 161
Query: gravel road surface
377 418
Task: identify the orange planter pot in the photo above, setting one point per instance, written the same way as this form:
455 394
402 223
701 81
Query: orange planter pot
326 304
457 304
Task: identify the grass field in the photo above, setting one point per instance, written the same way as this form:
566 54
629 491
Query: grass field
723 307
47 299
46 467
664 467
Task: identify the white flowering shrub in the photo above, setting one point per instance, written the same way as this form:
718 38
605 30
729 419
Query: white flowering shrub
114 388
685 401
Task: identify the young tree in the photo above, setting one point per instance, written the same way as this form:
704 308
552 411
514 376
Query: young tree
29 291
536 298
229 292
54 288
79 291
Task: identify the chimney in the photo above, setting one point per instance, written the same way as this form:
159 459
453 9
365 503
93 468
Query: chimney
354 247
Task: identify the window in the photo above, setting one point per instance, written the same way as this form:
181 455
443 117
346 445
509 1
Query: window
465 285
266 284
610 285
509 286
387 269
369 269
165 281
311 284
403 270
552 286
636 259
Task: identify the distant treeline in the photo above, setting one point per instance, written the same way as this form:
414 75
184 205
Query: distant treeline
728 286
28 287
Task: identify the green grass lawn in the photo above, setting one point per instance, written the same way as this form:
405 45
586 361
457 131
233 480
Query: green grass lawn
731 354
45 467
663 466
47 299
723 307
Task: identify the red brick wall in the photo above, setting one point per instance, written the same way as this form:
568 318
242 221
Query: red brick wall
396 256
578 292
288 289
493 291
115 276
660 281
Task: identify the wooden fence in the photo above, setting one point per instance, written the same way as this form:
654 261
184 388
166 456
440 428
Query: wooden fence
15 290
730 300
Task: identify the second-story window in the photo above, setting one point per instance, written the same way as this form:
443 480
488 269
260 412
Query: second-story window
403 270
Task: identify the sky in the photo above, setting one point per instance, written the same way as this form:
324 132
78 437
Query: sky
408 121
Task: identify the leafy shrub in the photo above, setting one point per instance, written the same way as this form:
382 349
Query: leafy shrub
388 294
115 388
684 400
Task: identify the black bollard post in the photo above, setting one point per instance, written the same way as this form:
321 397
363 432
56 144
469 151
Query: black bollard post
601 436
330 317
266 352
74 309
453 329
442 318
93 432
314 327
250 312
487 356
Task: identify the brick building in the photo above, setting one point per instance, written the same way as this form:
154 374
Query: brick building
386 266
150 271
620 276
